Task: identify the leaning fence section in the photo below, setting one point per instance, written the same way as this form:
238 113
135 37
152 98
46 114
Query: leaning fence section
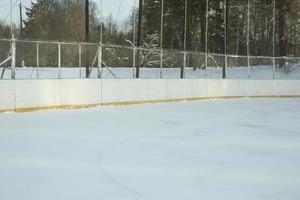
22 59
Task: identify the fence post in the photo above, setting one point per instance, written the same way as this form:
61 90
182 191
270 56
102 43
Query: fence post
206 37
59 60
184 65
79 60
161 63
274 66
182 73
133 62
99 60
13 58
248 38
274 26
134 39
248 67
225 38
225 68
37 60
161 37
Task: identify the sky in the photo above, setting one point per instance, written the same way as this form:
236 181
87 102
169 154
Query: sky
109 6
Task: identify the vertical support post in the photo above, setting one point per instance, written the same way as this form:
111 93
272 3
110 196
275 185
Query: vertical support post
225 39
21 20
139 37
37 60
274 25
161 64
133 62
100 46
184 63
59 60
87 32
13 45
161 38
182 73
21 34
206 37
248 38
99 60
134 40
11 21
13 58
79 60
101 21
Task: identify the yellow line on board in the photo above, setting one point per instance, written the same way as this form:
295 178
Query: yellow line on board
128 103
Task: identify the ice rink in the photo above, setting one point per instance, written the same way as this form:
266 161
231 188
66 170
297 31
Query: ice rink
237 149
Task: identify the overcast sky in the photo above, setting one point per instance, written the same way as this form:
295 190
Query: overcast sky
109 6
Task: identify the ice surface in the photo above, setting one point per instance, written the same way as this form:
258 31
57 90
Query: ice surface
213 150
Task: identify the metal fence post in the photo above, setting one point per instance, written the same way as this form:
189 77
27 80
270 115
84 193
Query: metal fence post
161 63
184 65
99 60
248 67
226 65
225 38
274 26
37 60
274 65
13 58
59 60
182 73
133 62
79 60
161 37
134 39
248 38
206 38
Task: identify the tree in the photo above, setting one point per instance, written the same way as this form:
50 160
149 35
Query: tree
59 20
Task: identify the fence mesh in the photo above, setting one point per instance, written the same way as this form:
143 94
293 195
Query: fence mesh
36 59
237 68
195 66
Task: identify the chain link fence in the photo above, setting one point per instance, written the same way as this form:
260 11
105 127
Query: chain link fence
51 60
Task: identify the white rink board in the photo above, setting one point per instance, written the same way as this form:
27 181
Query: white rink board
19 94
7 97
151 90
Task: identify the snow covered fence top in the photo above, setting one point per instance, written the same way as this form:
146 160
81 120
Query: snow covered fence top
30 95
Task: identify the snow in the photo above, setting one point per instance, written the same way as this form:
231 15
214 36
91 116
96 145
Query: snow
258 72
215 149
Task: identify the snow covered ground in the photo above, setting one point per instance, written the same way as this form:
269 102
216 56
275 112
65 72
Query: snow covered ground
258 72
213 150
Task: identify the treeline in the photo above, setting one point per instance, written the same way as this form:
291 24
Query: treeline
64 20
287 28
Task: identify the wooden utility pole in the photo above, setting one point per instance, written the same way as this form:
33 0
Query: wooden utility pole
87 38
139 35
